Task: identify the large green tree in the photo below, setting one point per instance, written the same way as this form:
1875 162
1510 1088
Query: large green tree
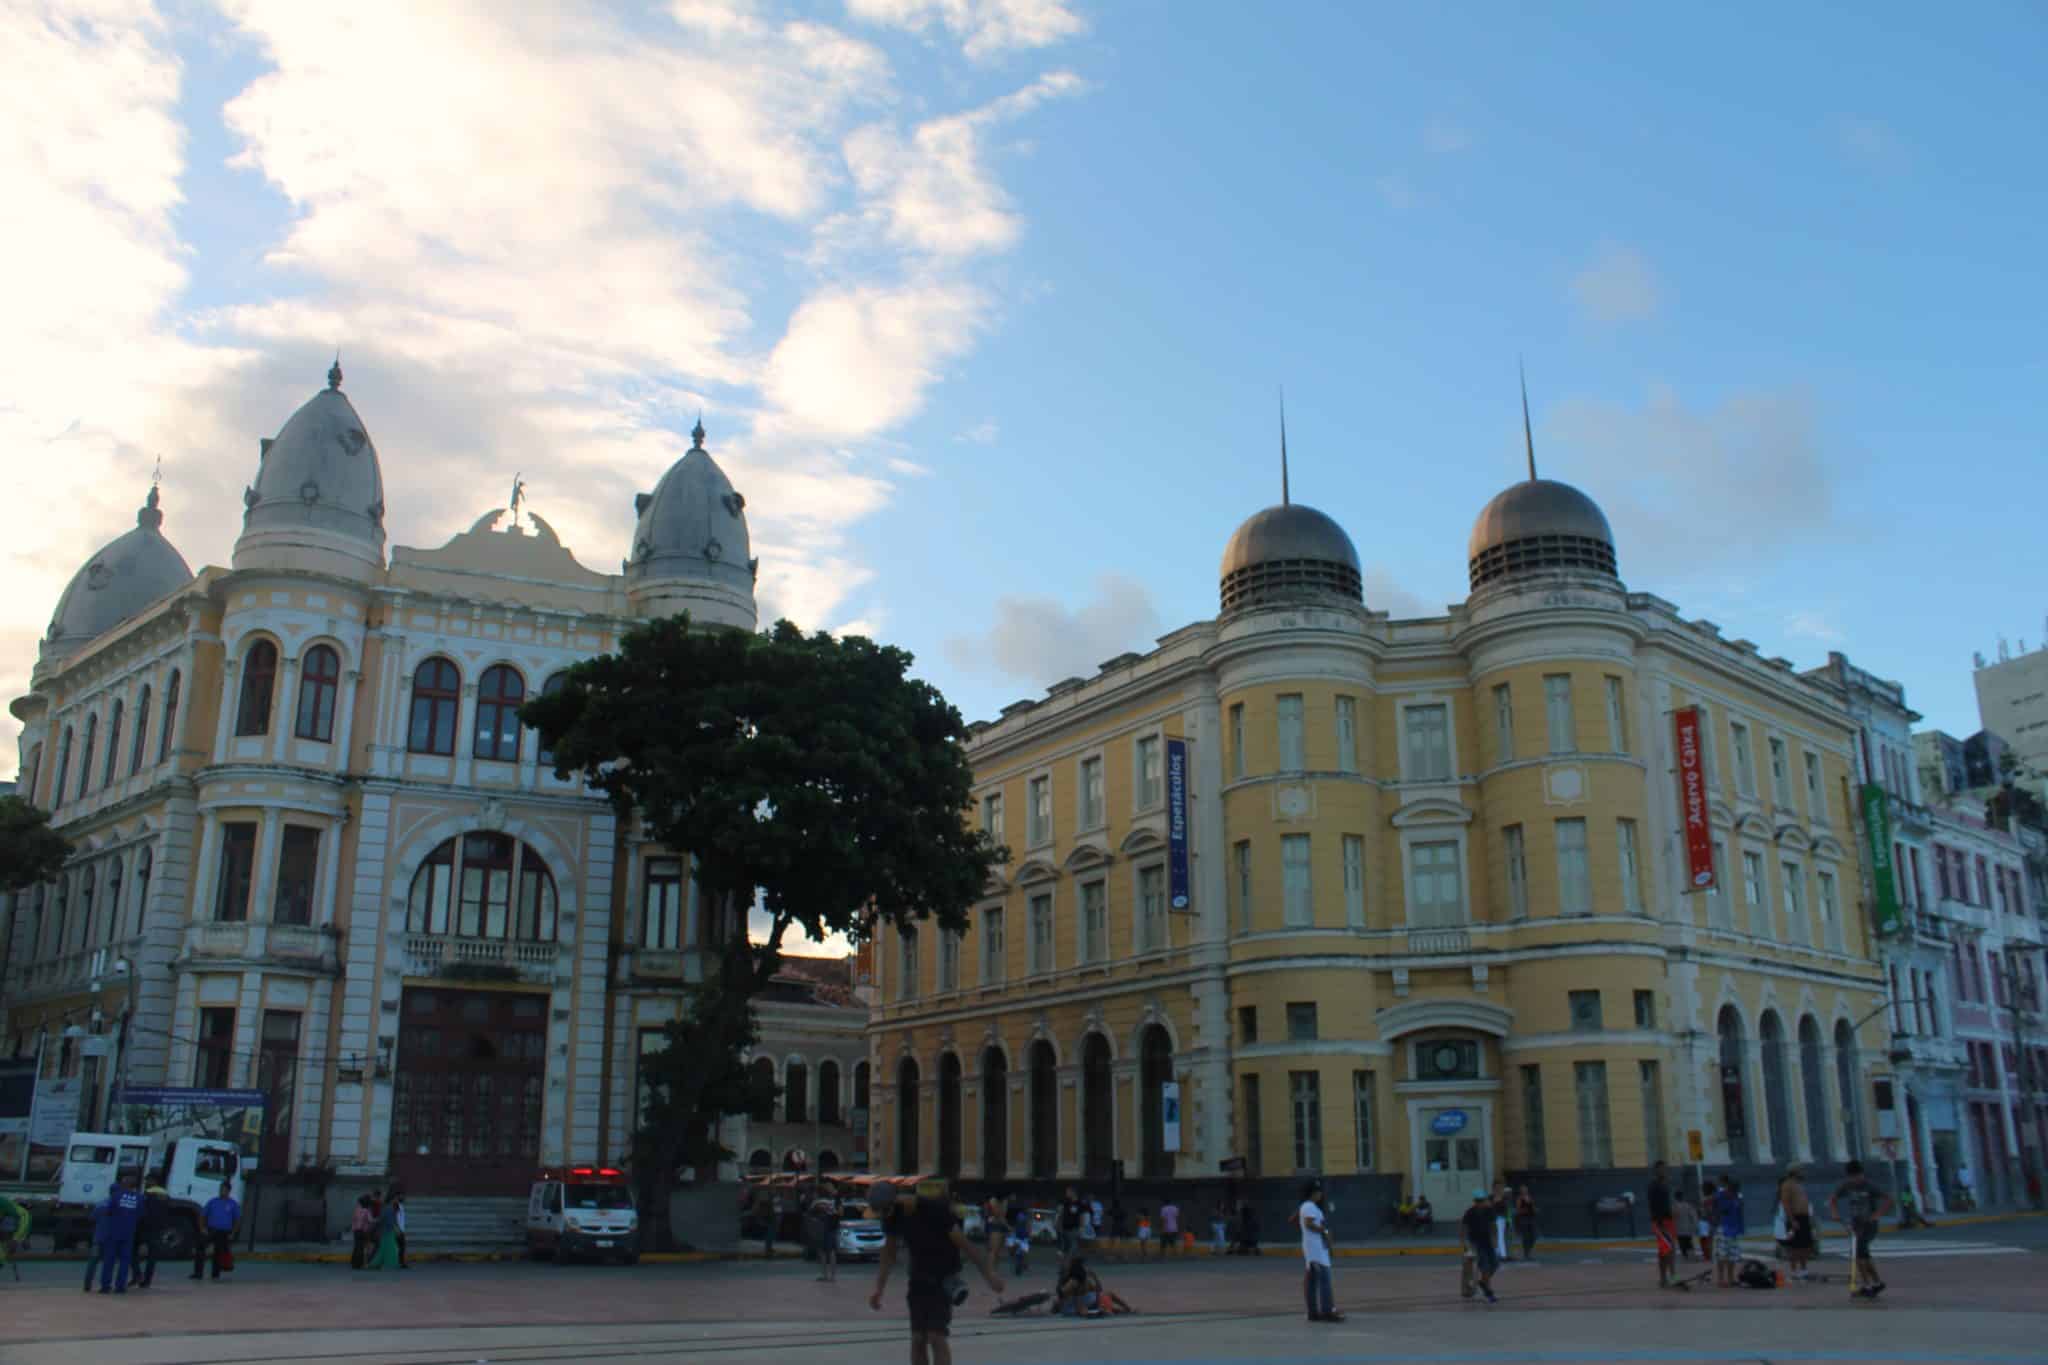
30 851
806 774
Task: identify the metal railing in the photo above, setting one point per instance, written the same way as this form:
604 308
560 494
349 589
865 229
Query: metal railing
1437 942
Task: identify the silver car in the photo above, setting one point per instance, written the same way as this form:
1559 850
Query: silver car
860 1239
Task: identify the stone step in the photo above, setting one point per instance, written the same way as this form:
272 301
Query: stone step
465 1220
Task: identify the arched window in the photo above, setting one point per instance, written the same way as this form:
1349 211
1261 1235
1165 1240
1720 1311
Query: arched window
498 694
1814 1086
436 689
34 771
60 908
113 744
1847 1067
141 731
92 741
85 887
63 768
259 684
796 1087
1096 1098
163 743
113 902
483 886
319 680
828 1092
1155 1071
1770 1036
907 1147
548 689
761 1075
995 1114
1734 1109
144 865
949 1116
1045 1114
860 1086
760 1160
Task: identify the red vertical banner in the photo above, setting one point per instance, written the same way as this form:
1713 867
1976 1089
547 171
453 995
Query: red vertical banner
1692 801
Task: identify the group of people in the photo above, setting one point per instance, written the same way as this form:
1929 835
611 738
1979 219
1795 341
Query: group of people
378 1226
128 1224
1718 1221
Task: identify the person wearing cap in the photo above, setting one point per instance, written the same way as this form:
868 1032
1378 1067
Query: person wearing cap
1477 1230
1798 1207
1315 1255
925 1224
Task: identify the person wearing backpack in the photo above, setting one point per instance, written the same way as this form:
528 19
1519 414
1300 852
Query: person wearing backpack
1863 1203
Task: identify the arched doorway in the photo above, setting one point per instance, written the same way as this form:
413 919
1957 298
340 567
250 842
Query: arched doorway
828 1161
995 1115
1814 1089
1734 1108
861 1118
1045 1111
760 1160
1770 1035
761 1090
828 1092
1155 1069
1097 1124
1847 1068
906 1117
949 1116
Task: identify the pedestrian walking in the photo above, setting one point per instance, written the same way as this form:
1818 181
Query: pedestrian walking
1169 1226
1020 1243
1729 1226
1798 1210
1685 1220
216 1233
1248 1230
1662 1225
1070 1223
827 1214
96 1248
15 1223
1860 1204
1503 1208
1219 1229
1476 1229
1315 1255
1144 1234
156 1214
116 1234
1525 1222
384 1237
360 1224
924 1228
397 1201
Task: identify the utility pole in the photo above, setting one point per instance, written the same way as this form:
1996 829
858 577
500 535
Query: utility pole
2020 991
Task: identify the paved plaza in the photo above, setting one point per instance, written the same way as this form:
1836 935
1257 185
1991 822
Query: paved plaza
1968 1294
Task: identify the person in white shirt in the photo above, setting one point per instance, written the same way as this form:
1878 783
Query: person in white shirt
1315 1255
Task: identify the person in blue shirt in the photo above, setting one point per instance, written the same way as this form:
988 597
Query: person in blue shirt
114 1231
1728 1230
220 1216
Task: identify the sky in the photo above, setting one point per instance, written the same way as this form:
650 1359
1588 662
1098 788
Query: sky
988 304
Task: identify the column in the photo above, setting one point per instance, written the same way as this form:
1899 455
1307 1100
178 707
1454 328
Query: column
263 882
209 867
230 696
344 723
284 713
465 733
330 871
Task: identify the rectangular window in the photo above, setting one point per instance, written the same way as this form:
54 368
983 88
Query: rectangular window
1301 1021
661 925
237 863
1251 1126
1631 869
1095 922
216 1061
1435 898
1781 772
1535 1151
1091 793
1247 1023
1617 716
1354 881
1517 855
1753 894
1557 711
1574 876
906 964
1151 909
992 817
1503 723
1745 758
1241 861
1596 1139
1151 776
1300 906
1708 767
1292 756
1796 928
1305 1093
1237 740
1429 742
298 864
1652 1082
949 960
1041 957
1816 794
993 946
1038 811
1646 1009
1347 734
1585 1011
1365 1119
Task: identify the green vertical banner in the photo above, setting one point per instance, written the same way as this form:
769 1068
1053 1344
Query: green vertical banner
1877 824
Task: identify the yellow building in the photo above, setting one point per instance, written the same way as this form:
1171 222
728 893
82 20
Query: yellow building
1439 928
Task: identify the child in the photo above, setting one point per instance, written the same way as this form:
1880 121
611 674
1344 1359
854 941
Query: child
1687 1220
1144 1234
1020 1242
1707 1226
1728 1231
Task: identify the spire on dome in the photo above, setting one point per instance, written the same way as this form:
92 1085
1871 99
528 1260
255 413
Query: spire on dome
1284 499
697 433
150 515
334 372
1528 440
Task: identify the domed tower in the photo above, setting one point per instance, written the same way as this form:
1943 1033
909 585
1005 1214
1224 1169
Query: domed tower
129 572
690 549
1288 554
318 501
1538 526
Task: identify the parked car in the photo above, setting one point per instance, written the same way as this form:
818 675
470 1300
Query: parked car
974 1223
1045 1225
860 1239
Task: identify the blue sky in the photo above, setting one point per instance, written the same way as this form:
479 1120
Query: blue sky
987 302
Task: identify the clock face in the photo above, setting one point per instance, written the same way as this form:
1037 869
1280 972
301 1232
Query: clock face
1448 1057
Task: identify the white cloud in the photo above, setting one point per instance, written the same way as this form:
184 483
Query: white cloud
1040 640
1812 625
1619 286
857 361
982 433
1384 592
985 28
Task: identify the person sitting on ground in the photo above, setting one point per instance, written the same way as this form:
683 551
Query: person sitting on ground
1080 1292
1404 1214
1425 1217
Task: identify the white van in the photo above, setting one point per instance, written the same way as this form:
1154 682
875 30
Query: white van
583 1211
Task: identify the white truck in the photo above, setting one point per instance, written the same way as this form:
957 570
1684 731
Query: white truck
191 1170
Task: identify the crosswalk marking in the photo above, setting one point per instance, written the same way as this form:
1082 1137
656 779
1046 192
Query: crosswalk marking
1886 1249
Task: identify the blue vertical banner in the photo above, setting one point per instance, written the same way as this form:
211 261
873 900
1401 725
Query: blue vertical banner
1177 824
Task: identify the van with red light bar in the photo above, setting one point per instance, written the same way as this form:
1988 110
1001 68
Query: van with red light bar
583 1211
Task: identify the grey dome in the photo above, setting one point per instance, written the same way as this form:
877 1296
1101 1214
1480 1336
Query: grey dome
693 526
132 571
320 475
1288 553
1538 525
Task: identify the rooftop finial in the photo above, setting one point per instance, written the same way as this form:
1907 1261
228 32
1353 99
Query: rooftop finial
156 477
334 372
1528 439
697 433
150 515
1284 499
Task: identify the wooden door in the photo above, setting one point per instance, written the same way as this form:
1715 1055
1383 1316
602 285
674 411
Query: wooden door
466 1097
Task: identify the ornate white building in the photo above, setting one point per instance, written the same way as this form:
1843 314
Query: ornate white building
316 853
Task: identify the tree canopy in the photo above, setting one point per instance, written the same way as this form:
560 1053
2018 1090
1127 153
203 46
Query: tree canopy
30 851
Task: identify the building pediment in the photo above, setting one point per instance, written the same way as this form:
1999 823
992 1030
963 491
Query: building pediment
1431 810
1141 840
1091 851
1418 1015
1035 870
